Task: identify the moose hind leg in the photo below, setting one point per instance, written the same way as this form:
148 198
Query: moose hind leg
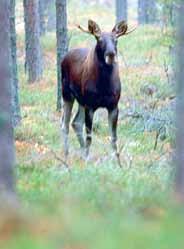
78 123
67 107
113 119
89 123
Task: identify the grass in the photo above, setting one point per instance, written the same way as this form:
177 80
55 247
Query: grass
97 204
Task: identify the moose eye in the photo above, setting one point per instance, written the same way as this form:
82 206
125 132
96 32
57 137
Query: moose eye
100 40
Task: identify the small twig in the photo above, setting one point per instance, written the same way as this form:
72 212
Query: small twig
153 107
120 151
166 70
60 159
156 140
119 160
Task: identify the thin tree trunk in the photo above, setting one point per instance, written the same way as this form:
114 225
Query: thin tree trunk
169 13
121 10
62 43
146 11
34 62
152 10
142 9
180 108
26 36
6 129
16 117
51 24
42 9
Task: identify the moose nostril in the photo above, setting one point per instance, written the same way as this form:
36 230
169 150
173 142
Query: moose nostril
110 57
111 54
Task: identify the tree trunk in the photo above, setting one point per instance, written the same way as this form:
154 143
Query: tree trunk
142 11
51 24
121 10
42 9
34 64
6 129
152 10
26 37
169 13
16 117
62 43
146 11
180 108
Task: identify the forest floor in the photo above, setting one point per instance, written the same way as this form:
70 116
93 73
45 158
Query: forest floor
97 204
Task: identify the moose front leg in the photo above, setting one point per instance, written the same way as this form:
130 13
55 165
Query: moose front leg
78 123
89 113
113 119
67 109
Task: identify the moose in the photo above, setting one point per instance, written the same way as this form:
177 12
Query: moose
91 77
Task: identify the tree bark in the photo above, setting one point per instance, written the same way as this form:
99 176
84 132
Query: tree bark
169 10
180 108
6 129
26 36
121 10
152 10
16 117
34 64
42 12
146 11
62 43
142 11
51 24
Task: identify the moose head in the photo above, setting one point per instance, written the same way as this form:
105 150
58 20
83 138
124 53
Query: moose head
106 46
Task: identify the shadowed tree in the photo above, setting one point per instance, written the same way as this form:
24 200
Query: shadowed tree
6 129
62 43
16 117
146 11
33 60
180 108
121 10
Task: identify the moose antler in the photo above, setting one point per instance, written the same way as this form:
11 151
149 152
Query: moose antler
93 28
130 31
127 32
83 30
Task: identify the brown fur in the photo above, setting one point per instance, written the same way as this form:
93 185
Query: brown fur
91 76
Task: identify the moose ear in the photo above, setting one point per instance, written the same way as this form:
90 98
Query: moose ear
120 29
93 28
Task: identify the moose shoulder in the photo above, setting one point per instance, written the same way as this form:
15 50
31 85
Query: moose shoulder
91 76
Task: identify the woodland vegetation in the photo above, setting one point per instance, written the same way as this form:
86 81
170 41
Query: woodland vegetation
50 202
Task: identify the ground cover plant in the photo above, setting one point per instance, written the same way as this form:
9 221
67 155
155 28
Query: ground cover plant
96 204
